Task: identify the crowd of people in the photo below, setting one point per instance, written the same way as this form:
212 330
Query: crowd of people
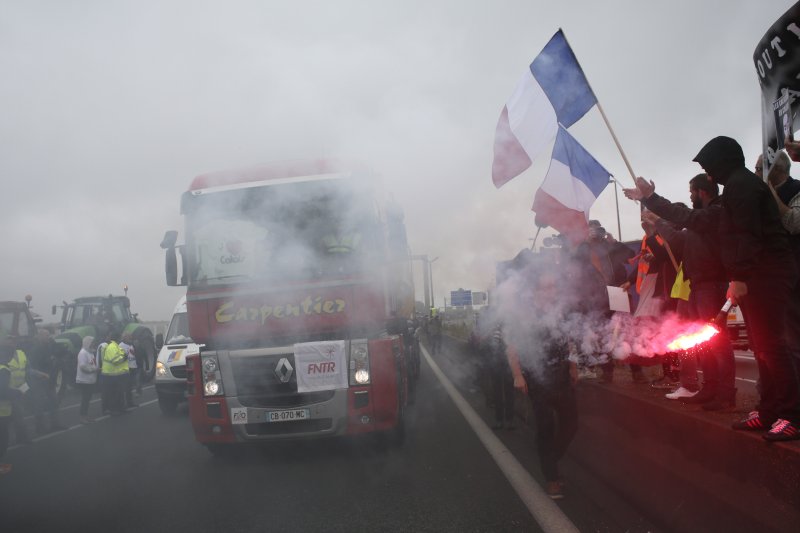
741 244
28 383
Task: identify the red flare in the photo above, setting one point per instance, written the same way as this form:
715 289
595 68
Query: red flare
690 340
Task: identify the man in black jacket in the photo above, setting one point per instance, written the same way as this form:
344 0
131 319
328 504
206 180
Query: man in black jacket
755 251
702 265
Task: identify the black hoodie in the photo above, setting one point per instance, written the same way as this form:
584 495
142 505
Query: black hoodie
752 238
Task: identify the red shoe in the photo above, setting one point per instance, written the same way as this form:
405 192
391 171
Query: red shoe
753 422
782 430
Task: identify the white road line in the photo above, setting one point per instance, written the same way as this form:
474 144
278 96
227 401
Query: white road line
72 428
546 513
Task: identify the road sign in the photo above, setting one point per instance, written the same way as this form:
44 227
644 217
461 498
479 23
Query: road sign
460 298
478 298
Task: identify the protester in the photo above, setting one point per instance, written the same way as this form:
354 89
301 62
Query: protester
99 352
761 270
702 266
21 372
653 275
502 380
435 334
115 375
8 397
43 372
542 369
786 191
134 381
86 377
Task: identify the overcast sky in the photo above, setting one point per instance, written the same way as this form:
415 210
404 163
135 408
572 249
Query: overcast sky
110 108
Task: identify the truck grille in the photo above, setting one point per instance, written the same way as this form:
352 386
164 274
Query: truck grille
258 386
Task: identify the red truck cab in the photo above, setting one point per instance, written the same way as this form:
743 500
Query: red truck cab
294 273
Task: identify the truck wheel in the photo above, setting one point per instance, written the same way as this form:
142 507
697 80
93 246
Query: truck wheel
168 406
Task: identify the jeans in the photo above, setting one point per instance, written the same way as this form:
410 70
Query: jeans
793 327
87 389
717 360
764 310
556 412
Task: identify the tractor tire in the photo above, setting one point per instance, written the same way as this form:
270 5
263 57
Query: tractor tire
146 348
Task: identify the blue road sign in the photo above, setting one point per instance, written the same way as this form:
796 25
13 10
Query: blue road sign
460 298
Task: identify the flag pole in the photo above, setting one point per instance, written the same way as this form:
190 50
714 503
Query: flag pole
616 141
539 228
602 113
616 202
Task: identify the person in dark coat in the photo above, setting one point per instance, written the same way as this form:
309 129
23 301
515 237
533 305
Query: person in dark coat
760 268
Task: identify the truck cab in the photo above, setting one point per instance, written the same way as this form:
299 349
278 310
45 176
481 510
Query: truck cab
170 377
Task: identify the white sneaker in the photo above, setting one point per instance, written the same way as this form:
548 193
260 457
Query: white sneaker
680 392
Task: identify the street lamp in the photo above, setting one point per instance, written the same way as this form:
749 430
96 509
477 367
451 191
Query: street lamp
430 277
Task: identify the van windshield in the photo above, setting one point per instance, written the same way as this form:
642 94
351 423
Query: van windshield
178 331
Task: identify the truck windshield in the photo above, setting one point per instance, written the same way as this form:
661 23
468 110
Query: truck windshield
286 232
178 331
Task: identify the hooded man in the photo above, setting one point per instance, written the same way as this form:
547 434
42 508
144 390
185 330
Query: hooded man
755 252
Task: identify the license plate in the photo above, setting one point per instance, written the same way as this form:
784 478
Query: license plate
289 415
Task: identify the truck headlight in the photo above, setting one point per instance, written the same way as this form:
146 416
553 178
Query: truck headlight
362 376
359 362
161 370
212 388
212 377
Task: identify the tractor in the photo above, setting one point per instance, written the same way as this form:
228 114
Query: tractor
97 316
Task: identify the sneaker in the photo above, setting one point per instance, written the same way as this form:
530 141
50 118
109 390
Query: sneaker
554 489
704 396
680 392
782 430
664 383
753 422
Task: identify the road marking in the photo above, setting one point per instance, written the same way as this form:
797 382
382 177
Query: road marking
72 428
546 513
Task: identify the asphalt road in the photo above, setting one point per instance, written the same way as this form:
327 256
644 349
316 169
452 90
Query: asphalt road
144 472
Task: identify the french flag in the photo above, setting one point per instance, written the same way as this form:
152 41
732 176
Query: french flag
552 91
574 181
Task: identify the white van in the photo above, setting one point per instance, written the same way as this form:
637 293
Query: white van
170 378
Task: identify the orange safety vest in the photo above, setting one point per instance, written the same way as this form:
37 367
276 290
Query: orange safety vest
644 266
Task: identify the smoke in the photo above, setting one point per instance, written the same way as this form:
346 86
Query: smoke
546 302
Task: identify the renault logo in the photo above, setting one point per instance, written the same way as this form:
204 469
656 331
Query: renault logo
283 370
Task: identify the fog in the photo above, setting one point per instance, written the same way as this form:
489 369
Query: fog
111 108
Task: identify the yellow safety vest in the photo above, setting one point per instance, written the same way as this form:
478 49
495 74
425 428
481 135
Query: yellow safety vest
115 360
18 366
5 405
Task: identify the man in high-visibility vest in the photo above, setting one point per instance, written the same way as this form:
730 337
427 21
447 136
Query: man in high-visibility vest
115 374
18 366
8 395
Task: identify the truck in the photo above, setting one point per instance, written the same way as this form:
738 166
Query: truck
298 277
170 377
96 316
